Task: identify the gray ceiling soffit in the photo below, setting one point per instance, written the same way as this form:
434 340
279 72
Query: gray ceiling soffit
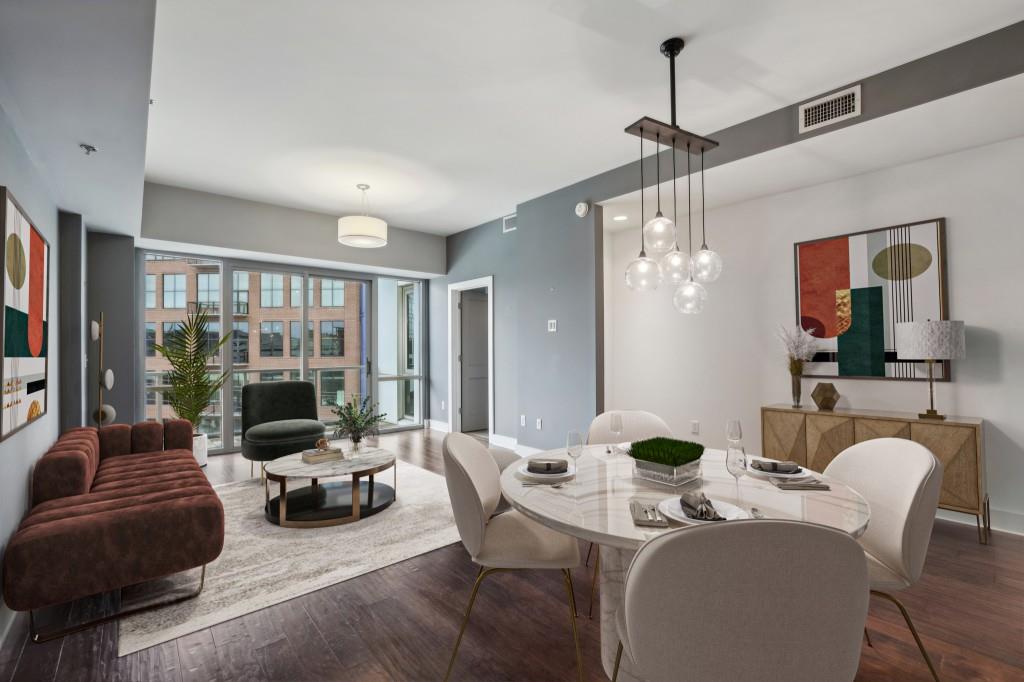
983 60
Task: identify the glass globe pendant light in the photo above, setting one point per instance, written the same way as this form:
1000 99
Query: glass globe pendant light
643 273
706 264
659 231
675 265
689 296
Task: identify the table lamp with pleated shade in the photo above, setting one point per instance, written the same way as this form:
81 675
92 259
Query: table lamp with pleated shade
930 340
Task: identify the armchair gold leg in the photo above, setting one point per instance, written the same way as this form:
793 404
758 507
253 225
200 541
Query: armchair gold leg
572 619
618 659
593 584
913 630
589 550
481 574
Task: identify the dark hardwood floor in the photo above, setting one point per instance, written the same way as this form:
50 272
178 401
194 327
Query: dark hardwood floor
399 623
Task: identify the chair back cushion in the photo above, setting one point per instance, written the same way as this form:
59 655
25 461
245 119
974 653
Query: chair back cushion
747 600
636 425
901 480
474 487
277 400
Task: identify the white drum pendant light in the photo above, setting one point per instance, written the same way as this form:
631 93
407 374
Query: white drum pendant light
362 231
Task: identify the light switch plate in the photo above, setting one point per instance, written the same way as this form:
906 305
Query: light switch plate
695 427
522 420
442 406
539 423
552 325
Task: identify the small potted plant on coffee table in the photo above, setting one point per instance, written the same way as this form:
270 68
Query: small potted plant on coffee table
357 419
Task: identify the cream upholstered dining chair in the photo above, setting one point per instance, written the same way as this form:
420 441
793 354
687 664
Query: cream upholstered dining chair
758 600
636 425
901 481
506 542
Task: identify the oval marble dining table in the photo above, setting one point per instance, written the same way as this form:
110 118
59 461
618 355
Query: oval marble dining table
595 507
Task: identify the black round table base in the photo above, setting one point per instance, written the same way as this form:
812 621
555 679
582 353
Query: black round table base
331 504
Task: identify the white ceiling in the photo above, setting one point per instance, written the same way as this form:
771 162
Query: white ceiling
78 72
939 127
457 110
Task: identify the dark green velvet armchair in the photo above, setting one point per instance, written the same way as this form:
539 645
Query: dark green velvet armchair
279 418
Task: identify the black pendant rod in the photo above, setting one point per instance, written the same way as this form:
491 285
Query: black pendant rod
671 49
657 166
675 212
703 232
642 250
689 210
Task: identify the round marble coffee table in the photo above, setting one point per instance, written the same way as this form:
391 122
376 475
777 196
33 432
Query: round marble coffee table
333 503
595 507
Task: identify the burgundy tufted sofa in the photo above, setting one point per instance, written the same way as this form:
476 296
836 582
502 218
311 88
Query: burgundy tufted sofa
111 508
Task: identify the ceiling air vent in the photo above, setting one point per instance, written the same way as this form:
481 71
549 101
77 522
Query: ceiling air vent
830 109
508 223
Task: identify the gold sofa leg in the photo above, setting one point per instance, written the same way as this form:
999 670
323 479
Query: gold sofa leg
39 637
913 630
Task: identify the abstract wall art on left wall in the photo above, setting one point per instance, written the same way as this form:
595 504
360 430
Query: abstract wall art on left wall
24 333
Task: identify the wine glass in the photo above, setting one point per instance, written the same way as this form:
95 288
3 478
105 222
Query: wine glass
735 455
615 426
574 447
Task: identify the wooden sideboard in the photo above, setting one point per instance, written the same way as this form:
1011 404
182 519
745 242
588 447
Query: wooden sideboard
813 437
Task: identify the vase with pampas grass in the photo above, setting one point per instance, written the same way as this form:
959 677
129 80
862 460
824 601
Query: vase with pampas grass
800 347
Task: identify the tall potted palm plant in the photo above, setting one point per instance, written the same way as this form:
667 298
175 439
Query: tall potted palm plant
192 385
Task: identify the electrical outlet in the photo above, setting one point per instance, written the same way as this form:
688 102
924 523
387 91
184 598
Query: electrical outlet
552 325
695 427
522 420
539 423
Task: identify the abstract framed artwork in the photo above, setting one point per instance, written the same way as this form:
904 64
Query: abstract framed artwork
853 289
24 332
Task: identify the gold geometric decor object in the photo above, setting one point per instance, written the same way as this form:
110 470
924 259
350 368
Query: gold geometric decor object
825 396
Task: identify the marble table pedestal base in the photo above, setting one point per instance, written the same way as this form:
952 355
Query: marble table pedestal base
612 583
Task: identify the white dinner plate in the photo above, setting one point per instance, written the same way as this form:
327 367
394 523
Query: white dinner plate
673 509
765 475
525 473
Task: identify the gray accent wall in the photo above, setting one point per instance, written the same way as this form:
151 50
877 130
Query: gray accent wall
19 452
188 216
113 291
74 325
552 266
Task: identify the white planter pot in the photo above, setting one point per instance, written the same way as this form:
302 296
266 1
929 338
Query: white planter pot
199 445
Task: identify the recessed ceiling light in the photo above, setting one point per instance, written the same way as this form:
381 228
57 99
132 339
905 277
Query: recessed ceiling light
620 218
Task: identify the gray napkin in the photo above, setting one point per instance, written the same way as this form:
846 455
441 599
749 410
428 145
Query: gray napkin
697 506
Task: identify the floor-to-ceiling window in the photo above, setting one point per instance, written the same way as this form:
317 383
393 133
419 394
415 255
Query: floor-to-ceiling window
183 283
284 324
399 340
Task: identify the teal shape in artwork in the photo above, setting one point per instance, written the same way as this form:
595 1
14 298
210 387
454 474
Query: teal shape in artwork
862 347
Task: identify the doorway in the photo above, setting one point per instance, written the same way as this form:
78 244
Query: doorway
471 375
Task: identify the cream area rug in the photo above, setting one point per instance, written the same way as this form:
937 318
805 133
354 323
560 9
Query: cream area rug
263 564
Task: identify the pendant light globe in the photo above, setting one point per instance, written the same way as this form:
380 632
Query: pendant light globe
689 297
659 234
706 265
643 274
675 266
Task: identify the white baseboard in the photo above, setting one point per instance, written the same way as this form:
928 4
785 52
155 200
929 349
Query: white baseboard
1002 520
499 441
437 425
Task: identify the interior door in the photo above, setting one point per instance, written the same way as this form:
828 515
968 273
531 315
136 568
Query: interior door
474 394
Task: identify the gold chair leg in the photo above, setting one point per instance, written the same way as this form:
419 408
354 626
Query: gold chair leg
618 659
572 619
481 574
913 630
593 584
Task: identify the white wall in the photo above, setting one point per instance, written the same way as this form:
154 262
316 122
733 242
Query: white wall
727 362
